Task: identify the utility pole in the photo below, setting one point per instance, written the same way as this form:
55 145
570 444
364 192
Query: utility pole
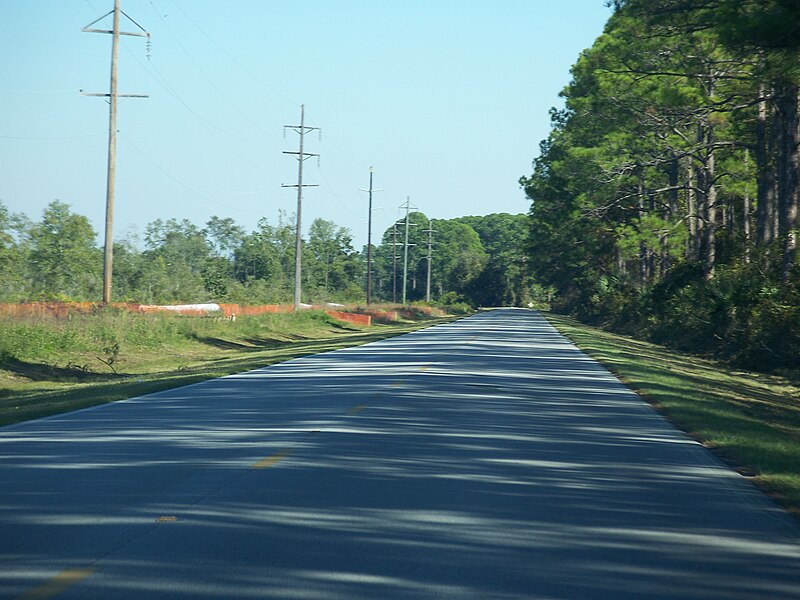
108 249
394 244
408 207
430 231
301 158
394 263
369 239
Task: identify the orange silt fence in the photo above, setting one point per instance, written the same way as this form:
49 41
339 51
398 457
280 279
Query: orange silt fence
230 311
381 316
356 319
46 309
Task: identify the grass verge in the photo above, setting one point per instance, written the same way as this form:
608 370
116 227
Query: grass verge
750 420
50 366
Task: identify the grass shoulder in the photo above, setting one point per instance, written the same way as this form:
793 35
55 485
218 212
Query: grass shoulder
750 420
50 366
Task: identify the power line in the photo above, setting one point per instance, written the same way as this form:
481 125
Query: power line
162 81
50 138
154 72
328 186
64 91
231 57
209 126
189 188
203 73
157 76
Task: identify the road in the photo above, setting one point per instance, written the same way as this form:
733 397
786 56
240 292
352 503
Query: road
485 458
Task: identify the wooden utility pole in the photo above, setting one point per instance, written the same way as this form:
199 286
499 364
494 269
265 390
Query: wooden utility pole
369 238
430 231
394 263
108 251
369 242
108 247
298 243
408 207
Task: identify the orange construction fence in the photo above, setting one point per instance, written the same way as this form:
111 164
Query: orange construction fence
355 318
63 309
380 316
58 309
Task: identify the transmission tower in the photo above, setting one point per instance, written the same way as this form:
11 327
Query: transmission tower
301 158
112 95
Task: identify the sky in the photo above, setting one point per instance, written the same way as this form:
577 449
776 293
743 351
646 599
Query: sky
446 100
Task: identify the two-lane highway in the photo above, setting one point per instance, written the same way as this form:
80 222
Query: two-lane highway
485 458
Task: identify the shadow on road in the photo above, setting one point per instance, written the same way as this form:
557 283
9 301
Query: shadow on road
487 458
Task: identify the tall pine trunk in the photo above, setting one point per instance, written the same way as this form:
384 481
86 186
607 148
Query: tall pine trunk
710 238
706 184
766 212
788 162
746 216
694 218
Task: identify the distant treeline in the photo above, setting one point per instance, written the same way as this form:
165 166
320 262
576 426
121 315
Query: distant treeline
665 200
475 260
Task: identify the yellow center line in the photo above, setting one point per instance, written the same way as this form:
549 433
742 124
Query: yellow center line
272 459
425 367
357 409
57 585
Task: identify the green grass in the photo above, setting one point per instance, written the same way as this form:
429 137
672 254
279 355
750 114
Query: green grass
751 420
49 365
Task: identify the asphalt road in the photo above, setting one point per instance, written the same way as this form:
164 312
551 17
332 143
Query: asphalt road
486 458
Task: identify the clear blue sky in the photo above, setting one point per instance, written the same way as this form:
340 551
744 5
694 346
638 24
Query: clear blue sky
447 99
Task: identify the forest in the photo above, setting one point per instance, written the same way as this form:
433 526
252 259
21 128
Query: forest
474 261
665 199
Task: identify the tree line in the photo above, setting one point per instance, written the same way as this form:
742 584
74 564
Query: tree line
475 260
665 199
